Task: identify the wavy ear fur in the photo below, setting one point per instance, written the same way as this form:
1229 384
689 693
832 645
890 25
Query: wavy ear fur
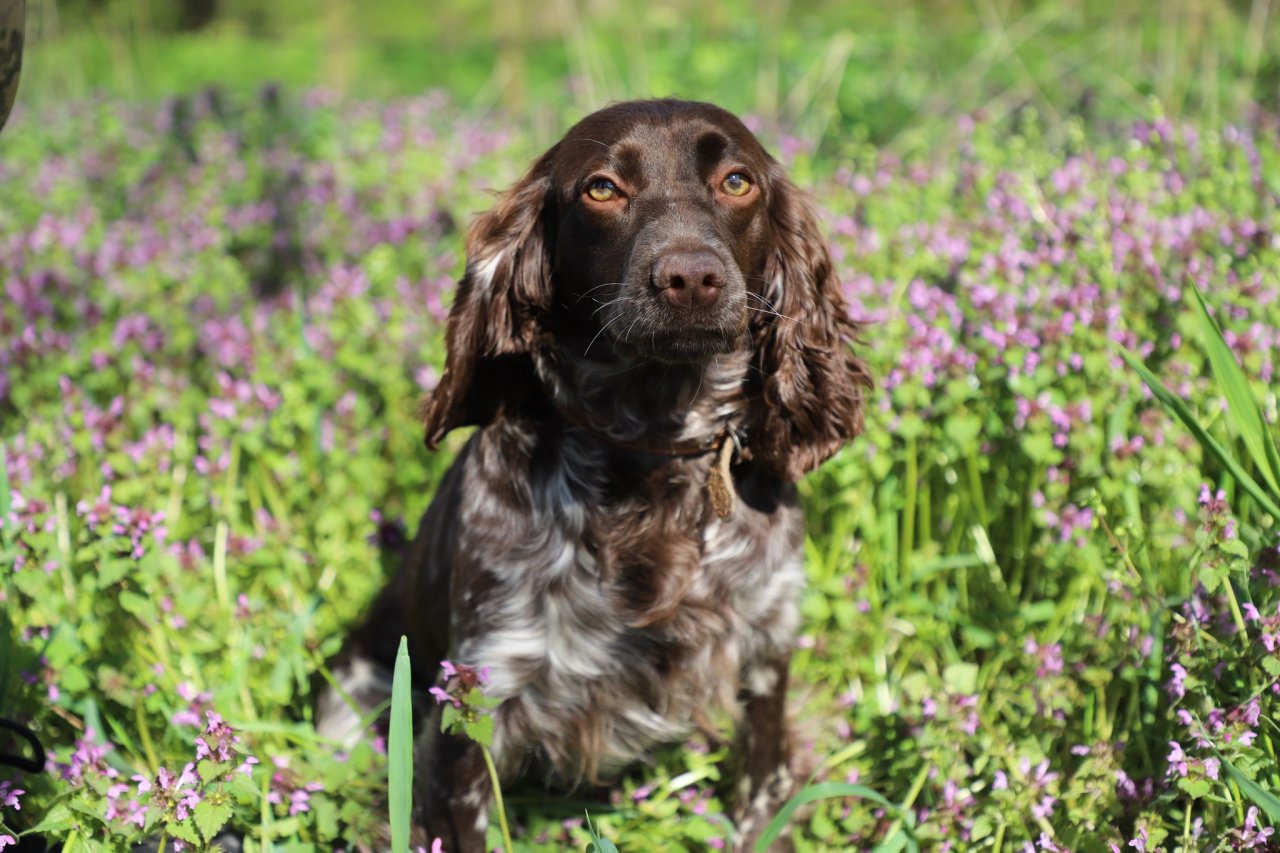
813 387
498 309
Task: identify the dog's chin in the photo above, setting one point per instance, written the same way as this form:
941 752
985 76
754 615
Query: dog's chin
688 346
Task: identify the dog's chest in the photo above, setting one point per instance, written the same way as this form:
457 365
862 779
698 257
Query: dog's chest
608 634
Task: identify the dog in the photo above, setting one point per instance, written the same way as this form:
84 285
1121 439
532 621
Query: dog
653 346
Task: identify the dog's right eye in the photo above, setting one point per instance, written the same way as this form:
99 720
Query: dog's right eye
602 189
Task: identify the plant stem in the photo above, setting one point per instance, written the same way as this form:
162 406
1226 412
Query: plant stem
909 514
497 799
144 732
916 786
1236 615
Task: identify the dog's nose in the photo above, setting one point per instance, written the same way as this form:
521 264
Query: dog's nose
689 279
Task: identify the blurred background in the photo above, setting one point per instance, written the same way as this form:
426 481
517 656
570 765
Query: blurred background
896 75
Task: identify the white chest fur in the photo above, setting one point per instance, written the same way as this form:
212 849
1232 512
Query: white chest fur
589 680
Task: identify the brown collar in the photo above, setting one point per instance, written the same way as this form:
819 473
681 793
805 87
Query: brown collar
725 444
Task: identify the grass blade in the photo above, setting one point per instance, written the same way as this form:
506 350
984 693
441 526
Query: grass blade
1172 402
400 751
1260 796
813 793
599 844
5 497
1243 412
900 840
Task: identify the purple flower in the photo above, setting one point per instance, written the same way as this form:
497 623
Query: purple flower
1252 834
459 680
1177 685
287 788
441 696
9 796
219 742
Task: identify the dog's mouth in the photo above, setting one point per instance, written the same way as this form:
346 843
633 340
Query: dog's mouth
683 347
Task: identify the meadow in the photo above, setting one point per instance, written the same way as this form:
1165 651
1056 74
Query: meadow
1043 613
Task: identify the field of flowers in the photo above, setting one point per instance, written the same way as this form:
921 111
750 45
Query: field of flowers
1038 617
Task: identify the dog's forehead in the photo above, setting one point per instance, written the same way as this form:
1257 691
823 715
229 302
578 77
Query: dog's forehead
656 140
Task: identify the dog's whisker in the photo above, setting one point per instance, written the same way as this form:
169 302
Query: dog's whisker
627 334
587 293
605 305
599 333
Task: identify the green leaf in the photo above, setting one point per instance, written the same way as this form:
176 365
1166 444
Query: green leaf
1211 575
1195 788
960 677
1179 409
481 729
1234 547
210 770
963 429
1039 447
450 718
400 751
898 841
183 830
135 603
211 817
111 570
599 844
326 814
813 793
1243 412
55 820
1260 796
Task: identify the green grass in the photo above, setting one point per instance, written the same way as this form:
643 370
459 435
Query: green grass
824 69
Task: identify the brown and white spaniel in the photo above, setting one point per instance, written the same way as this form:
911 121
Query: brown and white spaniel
653 345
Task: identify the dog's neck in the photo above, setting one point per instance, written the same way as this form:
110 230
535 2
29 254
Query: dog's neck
679 407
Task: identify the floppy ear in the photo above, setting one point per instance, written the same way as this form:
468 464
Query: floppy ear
498 310
813 388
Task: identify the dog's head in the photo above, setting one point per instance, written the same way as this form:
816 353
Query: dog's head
660 231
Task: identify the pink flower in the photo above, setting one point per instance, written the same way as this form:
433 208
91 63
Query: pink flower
441 696
9 796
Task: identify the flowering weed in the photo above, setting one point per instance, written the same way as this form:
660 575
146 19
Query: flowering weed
1041 615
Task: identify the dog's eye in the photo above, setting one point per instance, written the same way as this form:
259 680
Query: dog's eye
603 189
736 184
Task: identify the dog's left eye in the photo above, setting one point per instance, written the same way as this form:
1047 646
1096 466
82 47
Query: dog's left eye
737 184
602 189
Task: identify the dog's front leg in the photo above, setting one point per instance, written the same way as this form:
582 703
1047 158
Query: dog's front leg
453 789
766 782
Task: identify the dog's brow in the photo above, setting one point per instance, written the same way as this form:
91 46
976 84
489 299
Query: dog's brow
711 147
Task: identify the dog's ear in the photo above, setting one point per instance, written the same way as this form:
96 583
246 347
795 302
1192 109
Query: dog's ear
812 387
499 309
